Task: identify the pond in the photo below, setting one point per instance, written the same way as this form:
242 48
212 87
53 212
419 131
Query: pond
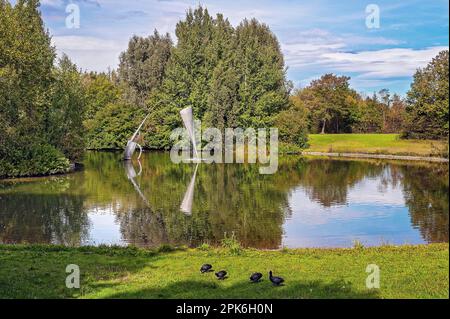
309 202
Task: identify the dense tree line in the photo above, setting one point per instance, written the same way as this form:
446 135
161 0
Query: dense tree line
232 77
332 106
50 111
41 102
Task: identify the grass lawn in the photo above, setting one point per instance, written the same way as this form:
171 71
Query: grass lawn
128 272
375 144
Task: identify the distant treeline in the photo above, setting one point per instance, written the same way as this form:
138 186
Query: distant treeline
231 76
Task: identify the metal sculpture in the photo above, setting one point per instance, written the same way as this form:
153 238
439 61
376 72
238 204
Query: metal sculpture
131 144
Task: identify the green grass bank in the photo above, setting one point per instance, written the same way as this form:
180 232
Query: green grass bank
36 271
376 144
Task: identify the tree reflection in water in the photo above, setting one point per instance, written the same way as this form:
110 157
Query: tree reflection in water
427 198
43 218
226 198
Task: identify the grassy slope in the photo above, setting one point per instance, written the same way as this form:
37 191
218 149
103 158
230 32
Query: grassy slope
374 143
111 272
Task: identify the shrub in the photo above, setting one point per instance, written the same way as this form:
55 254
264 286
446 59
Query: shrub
288 148
293 125
232 244
32 160
204 247
165 248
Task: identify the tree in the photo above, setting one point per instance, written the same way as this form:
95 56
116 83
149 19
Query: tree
186 82
41 106
100 93
368 116
64 121
427 101
263 88
396 115
230 77
384 106
293 123
327 100
142 66
100 90
224 84
113 125
26 78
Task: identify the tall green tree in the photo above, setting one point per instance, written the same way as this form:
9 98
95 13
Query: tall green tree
203 43
224 82
368 115
112 125
263 88
292 123
142 66
26 63
40 105
63 124
427 101
100 90
230 77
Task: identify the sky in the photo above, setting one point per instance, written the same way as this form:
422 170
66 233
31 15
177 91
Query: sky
316 37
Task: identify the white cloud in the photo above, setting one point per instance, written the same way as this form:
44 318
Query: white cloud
364 40
318 49
52 3
385 63
90 53
309 47
373 192
303 48
84 43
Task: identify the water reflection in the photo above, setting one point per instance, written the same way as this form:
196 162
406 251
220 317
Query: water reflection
188 199
131 174
426 196
43 218
308 202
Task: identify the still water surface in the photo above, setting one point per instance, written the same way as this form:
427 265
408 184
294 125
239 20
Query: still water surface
309 202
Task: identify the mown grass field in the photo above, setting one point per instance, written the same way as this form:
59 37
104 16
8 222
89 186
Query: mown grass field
127 272
375 144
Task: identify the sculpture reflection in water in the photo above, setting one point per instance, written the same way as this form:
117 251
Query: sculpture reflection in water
131 174
151 227
188 121
190 204
188 199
